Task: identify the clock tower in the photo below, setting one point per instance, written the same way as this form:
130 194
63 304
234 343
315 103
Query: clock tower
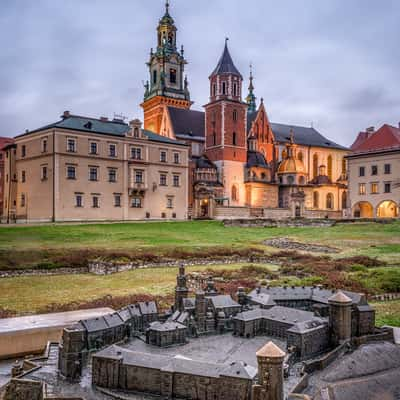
167 86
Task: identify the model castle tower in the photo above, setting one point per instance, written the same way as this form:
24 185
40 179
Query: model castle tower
167 85
181 290
340 317
270 373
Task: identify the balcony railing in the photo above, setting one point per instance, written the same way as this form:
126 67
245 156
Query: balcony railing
137 187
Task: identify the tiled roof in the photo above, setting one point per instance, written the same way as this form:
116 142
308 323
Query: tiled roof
225 64
256 159
223 301
188 123
386 137
303 136
148 307
167 326
113 128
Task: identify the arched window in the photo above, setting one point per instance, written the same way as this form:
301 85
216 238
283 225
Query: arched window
330 166
154 77
329 201
234 138
223 88
344 200
315 165
290 180
234 193
235 89
214 139
214 92
284 155
344 166
316 200
300 156
235 115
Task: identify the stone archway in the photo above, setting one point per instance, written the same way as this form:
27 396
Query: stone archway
363 209
387 209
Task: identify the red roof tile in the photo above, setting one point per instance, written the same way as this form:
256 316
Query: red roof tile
387 137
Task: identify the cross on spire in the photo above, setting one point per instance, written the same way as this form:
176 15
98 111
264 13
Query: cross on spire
167 6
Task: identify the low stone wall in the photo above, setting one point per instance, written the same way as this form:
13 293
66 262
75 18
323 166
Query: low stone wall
383 335
231 212
301 385
386 297
107 267
313 214
35 272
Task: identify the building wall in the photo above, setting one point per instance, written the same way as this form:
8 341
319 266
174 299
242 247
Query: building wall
34 197
374 200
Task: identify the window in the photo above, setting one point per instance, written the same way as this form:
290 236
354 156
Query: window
78 200
163 179
136 132
300 156
136 202
71 145
234 193
290 180
214 139
388 187
170 202
44 173
23 176
71 172
176 158
388 169
374 170
316 200
136 153
117 200
361 171
344 200
154 77
112 175
234 139
112 149
374 188
23 150
22 200
44 145
138 176
344 166
235 115
172 75
362 189
93 173
329 201
177 181
214 90
93 148
163 156
223 88
95 202
315 165
330 167
235 89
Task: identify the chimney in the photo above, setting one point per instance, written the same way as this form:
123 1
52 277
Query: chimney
370 131
66 114
104 119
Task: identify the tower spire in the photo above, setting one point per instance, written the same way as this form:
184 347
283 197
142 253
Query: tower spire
251 98
167 7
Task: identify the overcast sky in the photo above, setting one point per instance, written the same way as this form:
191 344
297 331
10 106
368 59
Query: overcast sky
331 63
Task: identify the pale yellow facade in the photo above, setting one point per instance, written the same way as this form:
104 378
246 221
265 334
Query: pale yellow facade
72 175
374 184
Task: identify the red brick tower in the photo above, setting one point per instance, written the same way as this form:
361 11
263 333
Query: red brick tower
226 127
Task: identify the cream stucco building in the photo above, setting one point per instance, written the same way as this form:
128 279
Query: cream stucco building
86 169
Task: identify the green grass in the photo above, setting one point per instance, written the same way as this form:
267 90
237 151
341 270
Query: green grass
375 240
33 293
387 313
379 280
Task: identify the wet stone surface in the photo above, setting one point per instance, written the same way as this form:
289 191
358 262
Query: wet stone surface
287 244
216 349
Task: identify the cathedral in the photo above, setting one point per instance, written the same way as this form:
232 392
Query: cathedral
241 163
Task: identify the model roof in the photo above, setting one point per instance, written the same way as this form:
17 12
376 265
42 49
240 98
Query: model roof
166 326
223 301
270 350
340 297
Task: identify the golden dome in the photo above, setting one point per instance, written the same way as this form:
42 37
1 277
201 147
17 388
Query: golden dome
291 166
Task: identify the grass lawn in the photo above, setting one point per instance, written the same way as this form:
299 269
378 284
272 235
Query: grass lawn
31 294
387 313
23 246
